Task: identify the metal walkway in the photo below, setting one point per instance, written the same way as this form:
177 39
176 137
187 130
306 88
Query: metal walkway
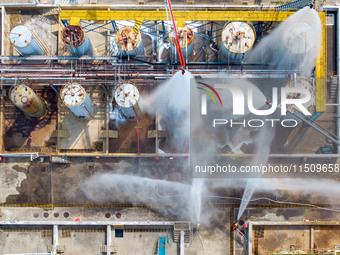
293 6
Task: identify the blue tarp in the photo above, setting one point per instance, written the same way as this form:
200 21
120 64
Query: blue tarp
162 242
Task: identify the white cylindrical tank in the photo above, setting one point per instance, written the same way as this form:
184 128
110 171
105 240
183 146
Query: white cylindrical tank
299 39
76 41
129 43
127 97
301 83
186 40
236 40
74 96
28 101
25 42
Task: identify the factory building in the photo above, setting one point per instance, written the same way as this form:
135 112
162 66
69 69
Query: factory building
169 127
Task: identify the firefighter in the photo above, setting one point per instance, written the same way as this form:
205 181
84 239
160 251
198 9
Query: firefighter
234 226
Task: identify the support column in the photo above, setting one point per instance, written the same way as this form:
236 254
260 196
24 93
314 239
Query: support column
108 239
181 243
250 239
311 240
55 240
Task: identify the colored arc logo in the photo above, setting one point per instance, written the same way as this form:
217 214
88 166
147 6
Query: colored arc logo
209 93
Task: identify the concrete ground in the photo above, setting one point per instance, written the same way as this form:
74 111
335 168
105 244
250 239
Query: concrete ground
10 179
23 241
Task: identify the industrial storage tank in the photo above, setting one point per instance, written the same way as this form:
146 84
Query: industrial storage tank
299 39
129 42
74 96
301 83
25 42
127 97
237 39
28 101
76 41
186 40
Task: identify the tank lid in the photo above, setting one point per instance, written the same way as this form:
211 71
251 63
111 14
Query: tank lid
185 35
73 36
238 37
24 99
20 94
127 39
126 95
20 36
73 94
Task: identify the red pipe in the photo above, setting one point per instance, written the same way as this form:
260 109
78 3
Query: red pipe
180 53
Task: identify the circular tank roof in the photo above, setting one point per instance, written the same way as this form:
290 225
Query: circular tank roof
21 94
185 35
127 39
126 95
301 83
300 38
20 36
73 94
238 37
73 36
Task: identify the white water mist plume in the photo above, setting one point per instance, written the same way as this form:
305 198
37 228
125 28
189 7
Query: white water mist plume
263 142
172 198
172 102
293 45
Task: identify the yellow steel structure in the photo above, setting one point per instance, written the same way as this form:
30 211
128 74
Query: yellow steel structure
211 15
183 15
321 70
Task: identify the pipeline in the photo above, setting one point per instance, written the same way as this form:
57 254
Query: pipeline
150 206
32 156
177 43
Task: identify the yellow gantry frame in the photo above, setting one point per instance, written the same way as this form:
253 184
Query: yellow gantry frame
208 15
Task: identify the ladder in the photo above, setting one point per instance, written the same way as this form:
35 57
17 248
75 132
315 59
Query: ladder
293 6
